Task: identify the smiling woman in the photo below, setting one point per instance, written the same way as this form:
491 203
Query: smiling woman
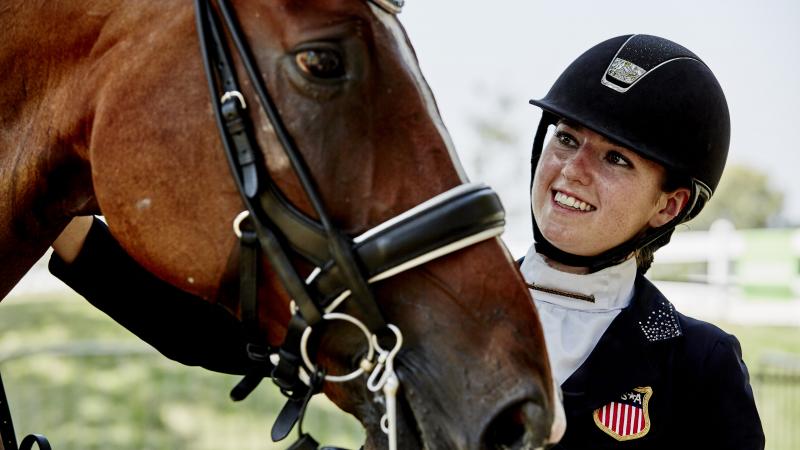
590 194
640 142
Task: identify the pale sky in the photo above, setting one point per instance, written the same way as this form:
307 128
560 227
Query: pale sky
473 53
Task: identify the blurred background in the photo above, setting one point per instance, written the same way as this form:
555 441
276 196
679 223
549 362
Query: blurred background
76 376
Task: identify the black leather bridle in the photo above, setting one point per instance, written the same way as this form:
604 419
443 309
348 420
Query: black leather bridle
270 224
345 265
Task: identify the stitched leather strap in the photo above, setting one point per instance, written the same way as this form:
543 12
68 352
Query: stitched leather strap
6 425
38 439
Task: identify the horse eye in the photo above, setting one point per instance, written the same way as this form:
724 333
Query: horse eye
320 63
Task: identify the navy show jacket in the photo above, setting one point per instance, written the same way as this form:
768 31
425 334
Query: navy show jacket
683 381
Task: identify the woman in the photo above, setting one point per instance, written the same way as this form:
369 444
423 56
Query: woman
641 138
640 141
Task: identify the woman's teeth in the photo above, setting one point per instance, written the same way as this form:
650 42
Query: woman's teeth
572 202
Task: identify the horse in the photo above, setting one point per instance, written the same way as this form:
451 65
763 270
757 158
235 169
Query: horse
104 109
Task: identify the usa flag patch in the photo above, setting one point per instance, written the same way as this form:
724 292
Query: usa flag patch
626 418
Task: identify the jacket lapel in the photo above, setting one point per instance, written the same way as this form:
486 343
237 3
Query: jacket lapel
623 359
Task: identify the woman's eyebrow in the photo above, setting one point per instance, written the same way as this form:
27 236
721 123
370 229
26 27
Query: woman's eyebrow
578 127
572 124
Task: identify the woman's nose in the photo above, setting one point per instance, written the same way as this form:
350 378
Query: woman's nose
576 168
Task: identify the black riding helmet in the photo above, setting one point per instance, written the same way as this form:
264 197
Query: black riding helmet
654 97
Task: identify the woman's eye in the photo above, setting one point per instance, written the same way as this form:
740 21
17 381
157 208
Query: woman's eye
617 159
321 63
565 139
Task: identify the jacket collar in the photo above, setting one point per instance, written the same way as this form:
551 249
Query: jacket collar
624 357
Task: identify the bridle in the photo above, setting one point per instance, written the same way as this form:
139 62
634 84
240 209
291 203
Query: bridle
345 266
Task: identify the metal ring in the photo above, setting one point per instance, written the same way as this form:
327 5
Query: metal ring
237 222
233 94
337 378
397 343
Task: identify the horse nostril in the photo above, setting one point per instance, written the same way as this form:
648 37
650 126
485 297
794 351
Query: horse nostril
518 427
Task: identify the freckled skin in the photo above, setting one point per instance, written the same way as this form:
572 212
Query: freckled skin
623 187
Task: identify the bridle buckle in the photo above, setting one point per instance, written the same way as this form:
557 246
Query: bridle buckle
233 94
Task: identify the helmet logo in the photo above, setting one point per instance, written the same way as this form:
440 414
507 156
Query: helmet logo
624 71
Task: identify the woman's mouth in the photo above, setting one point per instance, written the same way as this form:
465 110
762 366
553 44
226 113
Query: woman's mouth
571 202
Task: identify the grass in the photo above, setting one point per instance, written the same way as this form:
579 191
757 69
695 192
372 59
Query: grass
86 383
772 356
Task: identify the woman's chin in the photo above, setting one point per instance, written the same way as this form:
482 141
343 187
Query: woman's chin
568 242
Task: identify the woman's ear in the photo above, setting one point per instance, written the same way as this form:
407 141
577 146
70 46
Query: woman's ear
670 205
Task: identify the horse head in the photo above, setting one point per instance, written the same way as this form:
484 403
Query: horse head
138 122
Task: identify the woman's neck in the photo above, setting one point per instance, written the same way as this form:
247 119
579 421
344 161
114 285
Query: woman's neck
570 269
565 268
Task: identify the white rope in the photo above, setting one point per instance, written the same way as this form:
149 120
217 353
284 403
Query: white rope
383 378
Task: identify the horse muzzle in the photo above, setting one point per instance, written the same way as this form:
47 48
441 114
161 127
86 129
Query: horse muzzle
426 422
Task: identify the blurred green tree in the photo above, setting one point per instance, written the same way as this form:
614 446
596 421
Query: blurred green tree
745 197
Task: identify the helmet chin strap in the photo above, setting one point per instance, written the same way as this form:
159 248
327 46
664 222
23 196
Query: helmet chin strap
595 263
614 255
621 252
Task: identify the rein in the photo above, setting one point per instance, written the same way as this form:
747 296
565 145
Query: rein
344 266
9 439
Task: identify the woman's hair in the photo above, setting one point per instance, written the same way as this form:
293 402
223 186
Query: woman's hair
644 256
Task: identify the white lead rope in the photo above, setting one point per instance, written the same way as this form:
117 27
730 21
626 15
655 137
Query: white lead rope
383 378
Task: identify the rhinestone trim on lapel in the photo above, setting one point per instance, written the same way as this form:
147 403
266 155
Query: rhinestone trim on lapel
661 323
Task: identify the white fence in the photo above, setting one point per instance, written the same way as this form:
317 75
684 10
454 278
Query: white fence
717 294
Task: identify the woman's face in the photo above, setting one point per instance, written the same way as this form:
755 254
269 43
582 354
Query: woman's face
590 195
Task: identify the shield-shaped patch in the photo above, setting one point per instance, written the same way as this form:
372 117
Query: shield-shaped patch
626 418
